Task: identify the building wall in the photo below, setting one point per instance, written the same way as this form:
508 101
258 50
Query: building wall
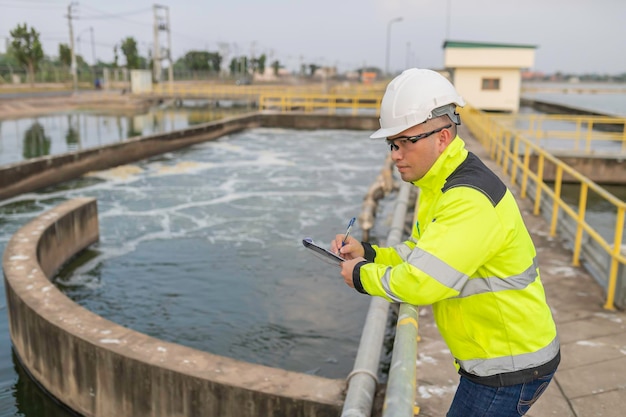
489 57
140 81
468 82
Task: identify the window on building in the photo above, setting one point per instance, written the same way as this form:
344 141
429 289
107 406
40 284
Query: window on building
491 84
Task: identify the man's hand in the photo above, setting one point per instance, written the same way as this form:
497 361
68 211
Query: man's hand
347 269
351 250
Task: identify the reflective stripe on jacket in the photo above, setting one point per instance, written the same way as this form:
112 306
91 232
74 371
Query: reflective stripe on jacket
471 257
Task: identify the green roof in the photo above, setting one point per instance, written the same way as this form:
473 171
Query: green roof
461 44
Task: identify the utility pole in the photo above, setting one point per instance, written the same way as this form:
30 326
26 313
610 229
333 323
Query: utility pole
448 13
170 68
408 55
73 65
93 47
156 54
162 23
392 21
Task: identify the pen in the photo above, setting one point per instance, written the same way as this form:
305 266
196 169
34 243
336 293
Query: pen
345 239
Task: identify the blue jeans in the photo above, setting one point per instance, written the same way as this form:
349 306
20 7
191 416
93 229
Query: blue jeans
476 400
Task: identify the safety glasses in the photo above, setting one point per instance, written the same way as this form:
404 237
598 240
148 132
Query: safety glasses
405 139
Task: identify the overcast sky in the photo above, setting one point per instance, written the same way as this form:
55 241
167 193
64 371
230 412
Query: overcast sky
573 36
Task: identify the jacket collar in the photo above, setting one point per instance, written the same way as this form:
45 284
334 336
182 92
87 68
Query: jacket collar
445 165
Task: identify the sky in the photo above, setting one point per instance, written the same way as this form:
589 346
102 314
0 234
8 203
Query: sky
571 36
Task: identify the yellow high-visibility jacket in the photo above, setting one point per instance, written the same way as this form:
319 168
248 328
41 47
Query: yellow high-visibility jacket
471 257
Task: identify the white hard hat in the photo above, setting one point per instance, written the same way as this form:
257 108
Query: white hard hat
414 97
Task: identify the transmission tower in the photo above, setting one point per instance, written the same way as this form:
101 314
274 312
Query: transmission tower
73 70
162 24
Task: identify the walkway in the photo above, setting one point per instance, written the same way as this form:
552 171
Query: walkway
591 380
12 106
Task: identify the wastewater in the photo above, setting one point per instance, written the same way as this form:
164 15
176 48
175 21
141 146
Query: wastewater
203 247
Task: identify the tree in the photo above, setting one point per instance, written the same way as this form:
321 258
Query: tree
239 65
36 143
65 57
258 64
65 54
129 49
276 66
27 48
115 56
313 68
203 61
215 62
7 64
197 60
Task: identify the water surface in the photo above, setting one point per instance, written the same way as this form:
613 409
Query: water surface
202 247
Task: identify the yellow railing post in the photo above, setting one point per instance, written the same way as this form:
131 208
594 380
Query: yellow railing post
499 138
577 133
557 199
589 132
617 248
539 184
525 171
623 134
515 160
582 207
506 151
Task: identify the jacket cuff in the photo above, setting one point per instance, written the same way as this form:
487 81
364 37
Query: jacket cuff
356 277
370 253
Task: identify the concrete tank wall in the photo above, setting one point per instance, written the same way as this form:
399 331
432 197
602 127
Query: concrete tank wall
99 368
37 173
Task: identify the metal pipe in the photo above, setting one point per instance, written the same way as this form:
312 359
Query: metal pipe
363 378
401 389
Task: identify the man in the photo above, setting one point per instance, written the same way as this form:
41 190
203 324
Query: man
469 255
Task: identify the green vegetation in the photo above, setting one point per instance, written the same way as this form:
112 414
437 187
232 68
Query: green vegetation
25 55
129 49
27 49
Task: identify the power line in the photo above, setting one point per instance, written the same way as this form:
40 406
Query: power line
105 15
39 6
36 1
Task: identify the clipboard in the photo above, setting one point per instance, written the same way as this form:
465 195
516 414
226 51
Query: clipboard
323 252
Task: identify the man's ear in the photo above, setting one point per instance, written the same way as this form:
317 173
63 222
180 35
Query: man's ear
443 139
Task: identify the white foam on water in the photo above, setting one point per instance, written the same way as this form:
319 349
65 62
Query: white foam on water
122 173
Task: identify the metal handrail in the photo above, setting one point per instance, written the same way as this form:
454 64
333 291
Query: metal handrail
541 126
310 102
512 150
363 378
402 380
195 89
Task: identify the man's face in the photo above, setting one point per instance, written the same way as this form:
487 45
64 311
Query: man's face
413 160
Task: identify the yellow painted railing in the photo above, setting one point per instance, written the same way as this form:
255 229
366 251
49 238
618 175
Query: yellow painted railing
207 90
512 150
577 132
330 103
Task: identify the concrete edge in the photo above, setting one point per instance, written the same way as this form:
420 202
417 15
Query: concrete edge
99 368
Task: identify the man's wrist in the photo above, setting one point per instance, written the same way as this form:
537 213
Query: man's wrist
356 277
370 253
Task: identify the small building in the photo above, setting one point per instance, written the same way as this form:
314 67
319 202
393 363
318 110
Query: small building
488 75
140 81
